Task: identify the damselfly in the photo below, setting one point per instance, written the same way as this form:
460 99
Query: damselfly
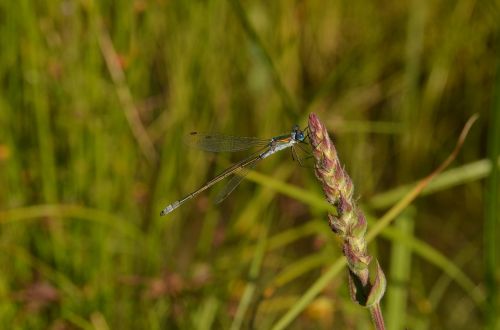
222 143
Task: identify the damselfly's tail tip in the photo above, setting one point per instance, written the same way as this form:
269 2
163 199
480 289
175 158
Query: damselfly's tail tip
166 211
169 208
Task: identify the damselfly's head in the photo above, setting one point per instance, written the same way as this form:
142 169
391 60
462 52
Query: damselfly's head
298 134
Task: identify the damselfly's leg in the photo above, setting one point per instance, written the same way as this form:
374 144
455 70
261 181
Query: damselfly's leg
300 159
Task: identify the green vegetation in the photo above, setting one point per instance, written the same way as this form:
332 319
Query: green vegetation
96 96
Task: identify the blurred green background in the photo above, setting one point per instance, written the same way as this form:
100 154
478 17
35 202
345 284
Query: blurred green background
96 97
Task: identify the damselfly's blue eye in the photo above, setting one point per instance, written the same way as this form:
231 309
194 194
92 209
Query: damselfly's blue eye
297 134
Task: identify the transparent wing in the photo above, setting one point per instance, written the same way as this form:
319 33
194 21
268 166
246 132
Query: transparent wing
235 180
223 143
